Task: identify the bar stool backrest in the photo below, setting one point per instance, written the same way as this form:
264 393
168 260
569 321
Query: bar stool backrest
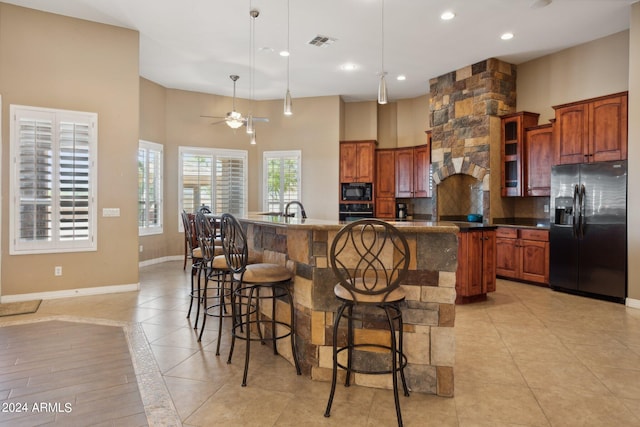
206 236
370 257
189 233
234 243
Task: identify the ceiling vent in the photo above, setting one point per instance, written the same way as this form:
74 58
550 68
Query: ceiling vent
321 41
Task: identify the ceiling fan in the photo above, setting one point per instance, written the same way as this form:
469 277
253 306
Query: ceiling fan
234 119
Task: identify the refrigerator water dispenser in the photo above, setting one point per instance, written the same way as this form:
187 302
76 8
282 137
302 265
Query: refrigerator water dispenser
564 211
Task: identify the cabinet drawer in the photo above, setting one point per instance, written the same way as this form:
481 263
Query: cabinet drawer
507 232
540 235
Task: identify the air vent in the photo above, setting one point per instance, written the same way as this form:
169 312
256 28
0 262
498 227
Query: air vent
321 41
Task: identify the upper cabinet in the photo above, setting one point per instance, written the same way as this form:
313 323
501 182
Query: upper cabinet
593 130
538 153
511 150
357 161
413 165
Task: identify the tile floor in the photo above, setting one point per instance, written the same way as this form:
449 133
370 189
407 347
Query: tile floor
526 357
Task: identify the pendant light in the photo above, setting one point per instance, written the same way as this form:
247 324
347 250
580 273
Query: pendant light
288 105
382 86
253 13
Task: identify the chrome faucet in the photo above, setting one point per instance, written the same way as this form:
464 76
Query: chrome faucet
295 202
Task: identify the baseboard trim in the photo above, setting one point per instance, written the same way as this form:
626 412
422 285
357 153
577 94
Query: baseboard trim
72 293
160 260
633 303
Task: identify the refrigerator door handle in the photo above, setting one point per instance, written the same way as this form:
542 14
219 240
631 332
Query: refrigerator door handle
574 222
582 210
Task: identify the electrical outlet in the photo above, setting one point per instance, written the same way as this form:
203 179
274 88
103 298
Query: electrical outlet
141 248
546 208
57 270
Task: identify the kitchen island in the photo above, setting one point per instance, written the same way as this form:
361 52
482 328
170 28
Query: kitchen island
302 245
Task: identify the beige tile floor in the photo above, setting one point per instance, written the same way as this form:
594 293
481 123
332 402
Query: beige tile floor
526 357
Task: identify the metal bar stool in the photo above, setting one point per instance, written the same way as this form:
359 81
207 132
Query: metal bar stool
370 259
195 253
249 280
214 268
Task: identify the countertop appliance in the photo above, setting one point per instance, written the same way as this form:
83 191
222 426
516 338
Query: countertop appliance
588 230
357 191
401 211
355 211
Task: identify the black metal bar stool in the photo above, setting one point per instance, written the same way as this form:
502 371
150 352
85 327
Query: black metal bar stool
214 268
249 280
370 259
193 251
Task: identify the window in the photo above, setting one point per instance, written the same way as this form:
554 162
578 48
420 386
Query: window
282 183
53 180
214 178
149 188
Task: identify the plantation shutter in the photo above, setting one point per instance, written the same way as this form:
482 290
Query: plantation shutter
230 184
282 179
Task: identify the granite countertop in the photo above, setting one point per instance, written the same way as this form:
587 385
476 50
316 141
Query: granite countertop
538 223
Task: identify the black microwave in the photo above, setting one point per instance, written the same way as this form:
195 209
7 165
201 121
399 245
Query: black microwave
357 191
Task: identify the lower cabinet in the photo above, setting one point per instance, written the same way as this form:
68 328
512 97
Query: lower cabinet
523 254
476 273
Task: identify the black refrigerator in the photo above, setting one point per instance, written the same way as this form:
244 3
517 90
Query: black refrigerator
588 229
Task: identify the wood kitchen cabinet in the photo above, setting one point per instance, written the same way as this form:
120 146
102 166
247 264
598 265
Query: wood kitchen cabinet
592 130
357 161
385 188
538 153
523 254
412 171
511 151
476 273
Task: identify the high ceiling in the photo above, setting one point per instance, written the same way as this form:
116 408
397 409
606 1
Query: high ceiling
196 44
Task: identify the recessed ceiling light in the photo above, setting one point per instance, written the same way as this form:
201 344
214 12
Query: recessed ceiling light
507 36
284 53
401 77
348 67
448 15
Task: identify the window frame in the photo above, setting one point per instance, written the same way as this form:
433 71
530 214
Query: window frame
147 230
243 155
56 244
279 154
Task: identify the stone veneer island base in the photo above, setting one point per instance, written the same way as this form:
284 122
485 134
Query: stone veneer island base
429 313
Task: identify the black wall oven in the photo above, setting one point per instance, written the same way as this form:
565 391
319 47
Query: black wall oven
355 211
357 191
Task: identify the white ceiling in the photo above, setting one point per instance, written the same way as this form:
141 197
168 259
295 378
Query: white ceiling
196 44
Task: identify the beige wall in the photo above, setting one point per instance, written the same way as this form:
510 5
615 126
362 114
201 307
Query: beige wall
58 62
360 120
413 121
633 208
592 69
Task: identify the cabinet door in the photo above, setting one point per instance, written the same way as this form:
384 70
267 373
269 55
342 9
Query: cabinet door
385 208
365 161
538 161
469 274
571 134
488 261
534 261
385 174
506 257
348 162
404 172
511 151
421 183
608 129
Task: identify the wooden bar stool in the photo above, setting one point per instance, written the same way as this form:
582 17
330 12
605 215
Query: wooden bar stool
370 259
249 280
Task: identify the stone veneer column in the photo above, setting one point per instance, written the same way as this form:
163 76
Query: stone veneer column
461 104
429 313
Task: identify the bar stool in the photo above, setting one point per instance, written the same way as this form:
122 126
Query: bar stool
214 268
195 253
370 259
249 280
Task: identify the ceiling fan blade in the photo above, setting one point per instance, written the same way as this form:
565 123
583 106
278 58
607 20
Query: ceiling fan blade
261 119
212 117
218 122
